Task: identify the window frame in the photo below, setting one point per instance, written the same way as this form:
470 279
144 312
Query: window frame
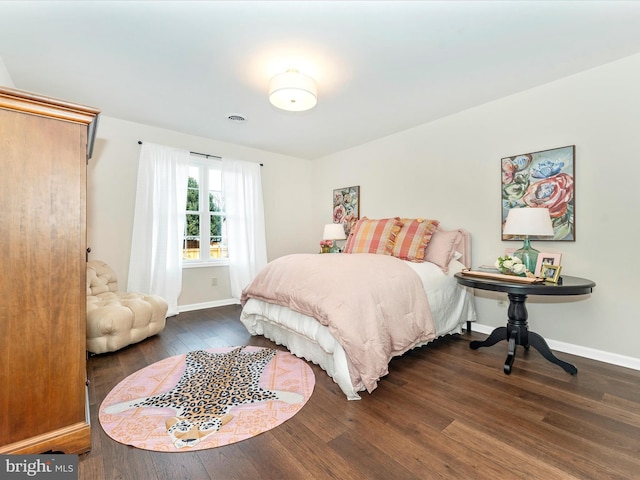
204 165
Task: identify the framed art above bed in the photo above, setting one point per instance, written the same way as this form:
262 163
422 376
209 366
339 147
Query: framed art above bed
346 207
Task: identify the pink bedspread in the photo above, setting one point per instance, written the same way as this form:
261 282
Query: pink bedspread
374 305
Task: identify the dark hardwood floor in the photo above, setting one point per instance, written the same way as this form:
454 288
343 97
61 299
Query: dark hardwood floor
444 411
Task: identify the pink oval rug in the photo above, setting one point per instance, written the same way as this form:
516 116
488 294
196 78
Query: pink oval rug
207 398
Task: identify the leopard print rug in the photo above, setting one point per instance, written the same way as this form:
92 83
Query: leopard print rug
206 398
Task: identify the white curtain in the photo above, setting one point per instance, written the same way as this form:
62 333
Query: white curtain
155 266
246 239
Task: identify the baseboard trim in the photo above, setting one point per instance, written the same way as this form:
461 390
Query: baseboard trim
200 306
591 353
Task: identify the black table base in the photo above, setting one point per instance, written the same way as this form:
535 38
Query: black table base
517 333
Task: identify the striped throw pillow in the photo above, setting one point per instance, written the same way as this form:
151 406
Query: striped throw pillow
413 238
373 236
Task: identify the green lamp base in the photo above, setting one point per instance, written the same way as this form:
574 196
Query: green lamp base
528 255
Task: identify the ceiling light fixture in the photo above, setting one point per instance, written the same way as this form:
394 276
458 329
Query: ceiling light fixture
293 91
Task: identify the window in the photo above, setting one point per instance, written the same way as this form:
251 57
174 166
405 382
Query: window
205 238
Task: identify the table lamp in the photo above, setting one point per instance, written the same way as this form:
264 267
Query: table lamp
525 222
334 231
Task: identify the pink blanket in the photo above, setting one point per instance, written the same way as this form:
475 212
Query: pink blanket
374 305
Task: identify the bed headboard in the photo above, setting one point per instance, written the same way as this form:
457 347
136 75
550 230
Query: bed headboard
445 242
464 247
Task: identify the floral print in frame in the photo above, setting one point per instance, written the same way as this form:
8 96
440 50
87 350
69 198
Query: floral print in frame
346 207
542 179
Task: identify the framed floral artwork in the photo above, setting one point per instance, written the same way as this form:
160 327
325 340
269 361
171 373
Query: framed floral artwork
346 207
542 179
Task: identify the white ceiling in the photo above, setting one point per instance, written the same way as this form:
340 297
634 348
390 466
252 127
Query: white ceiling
381 67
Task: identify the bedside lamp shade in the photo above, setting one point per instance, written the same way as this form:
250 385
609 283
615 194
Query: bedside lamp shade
334 231
525 222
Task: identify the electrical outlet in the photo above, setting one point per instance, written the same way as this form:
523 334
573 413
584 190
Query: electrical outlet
214 281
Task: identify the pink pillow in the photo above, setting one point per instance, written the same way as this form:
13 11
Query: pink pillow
413 238
373 236
442 248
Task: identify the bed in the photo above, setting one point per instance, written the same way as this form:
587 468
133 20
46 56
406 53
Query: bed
391 290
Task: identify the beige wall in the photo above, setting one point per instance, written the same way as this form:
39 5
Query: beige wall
111 182
450 170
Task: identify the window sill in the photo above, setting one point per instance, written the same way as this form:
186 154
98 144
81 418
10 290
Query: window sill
206 264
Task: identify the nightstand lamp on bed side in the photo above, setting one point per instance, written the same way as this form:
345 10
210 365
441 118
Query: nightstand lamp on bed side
525 222
334 232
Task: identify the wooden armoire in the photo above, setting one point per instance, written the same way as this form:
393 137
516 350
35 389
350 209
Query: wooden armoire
44 148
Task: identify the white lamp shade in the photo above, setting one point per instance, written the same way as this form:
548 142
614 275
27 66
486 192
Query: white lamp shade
528 221
293 91
333 231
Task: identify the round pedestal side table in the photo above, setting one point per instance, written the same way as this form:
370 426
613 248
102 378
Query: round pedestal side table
517 330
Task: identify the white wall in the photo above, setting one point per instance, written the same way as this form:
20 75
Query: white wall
450 170
5 78
111 183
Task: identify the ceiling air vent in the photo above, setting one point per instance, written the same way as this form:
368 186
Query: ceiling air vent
236 118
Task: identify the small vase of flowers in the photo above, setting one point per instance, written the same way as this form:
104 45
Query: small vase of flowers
325 246
512 266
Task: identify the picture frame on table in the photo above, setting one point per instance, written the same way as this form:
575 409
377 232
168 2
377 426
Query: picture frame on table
546 259
551 273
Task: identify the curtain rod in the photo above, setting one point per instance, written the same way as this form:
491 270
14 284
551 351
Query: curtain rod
194 153
201 154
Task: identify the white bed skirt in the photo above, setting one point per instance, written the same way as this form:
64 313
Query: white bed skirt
451 307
